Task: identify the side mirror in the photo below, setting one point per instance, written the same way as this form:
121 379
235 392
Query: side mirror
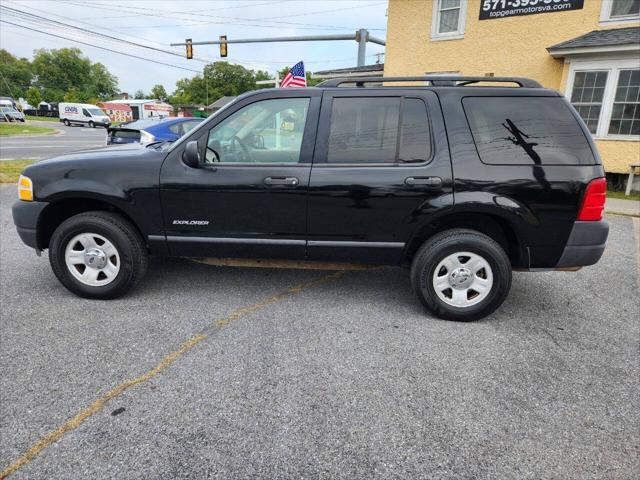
191 154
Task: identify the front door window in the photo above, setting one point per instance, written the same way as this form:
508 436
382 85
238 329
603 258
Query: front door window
268 131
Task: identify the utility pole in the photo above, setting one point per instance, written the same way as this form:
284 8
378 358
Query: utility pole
362 36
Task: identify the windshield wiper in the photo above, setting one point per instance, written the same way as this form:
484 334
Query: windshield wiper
159 144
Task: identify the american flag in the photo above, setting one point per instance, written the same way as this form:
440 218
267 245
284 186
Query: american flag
295 77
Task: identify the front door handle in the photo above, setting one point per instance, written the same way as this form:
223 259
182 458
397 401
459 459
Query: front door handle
427 181
281 181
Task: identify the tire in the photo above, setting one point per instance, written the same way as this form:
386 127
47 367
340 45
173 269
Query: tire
91 124
465 260
123 251
66 123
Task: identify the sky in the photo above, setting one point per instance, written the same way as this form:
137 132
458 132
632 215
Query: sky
157 23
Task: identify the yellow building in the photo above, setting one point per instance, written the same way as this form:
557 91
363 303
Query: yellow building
589 50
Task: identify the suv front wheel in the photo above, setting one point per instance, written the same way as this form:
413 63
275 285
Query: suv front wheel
461 275
98 255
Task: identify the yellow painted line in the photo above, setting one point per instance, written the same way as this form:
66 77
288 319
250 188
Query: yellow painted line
166 362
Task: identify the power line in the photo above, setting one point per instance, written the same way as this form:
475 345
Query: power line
27 15
41 21
99 47
100 27
197 13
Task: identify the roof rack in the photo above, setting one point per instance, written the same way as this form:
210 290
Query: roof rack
435 80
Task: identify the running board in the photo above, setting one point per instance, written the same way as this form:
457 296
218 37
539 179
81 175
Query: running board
291 264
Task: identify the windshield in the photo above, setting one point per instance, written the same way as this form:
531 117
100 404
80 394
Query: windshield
96 112
8 109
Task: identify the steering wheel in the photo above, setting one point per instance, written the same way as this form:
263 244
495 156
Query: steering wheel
240 149
211 155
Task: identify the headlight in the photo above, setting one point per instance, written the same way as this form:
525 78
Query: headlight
146 137
25 189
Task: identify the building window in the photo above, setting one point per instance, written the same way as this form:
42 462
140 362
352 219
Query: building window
625 116
606 94
587 95
620 10
448 19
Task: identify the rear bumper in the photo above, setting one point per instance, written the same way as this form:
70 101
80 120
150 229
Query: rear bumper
585 245
25 216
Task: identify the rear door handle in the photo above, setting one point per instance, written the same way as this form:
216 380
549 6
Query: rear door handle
281 181
427 181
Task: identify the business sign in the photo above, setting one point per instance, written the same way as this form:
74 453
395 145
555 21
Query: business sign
491 9
158 107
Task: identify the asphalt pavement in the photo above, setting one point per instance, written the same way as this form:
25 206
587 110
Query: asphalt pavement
219 372
40 147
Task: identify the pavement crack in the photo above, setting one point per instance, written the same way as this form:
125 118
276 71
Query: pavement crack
78 419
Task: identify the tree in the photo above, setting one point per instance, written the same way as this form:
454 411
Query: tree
103 84
59 71
222 79
33 97
158 92
71 95
139 95
17 75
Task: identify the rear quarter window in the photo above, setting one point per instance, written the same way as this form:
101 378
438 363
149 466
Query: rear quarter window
526 131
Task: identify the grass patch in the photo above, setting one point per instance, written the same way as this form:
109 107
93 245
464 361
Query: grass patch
10 170
42 119
622 196
8 129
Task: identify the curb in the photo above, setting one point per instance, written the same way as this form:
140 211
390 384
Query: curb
56 133
623 214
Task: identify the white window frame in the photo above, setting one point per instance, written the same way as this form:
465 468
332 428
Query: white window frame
613 67
435 22
605 15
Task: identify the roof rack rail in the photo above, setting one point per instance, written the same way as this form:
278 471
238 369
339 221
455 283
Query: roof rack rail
435 80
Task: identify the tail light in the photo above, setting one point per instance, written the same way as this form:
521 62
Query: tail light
593 200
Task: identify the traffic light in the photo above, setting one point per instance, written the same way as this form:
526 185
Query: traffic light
189 49
223 46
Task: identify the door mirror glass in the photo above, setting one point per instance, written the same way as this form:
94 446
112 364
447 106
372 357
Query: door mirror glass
191 154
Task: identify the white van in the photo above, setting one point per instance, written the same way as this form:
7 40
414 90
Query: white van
83 114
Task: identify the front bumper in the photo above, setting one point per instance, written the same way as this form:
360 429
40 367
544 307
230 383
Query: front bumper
585 245
25 217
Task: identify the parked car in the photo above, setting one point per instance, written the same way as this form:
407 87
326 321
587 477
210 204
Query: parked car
151 130
10 114
460 183
83 114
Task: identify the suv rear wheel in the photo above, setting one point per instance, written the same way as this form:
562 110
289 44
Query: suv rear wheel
461 275
98 255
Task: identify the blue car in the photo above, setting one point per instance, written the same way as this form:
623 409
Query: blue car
151 130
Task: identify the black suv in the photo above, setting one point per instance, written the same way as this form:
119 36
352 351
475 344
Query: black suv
460 180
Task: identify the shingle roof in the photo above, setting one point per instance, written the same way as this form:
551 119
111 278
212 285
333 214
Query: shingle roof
601 38
376 67
221 102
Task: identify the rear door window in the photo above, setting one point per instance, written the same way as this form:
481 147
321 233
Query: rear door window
526 131
378 130
415 141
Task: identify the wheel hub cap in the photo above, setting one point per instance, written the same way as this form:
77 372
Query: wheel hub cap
92 259
95 258
461 278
